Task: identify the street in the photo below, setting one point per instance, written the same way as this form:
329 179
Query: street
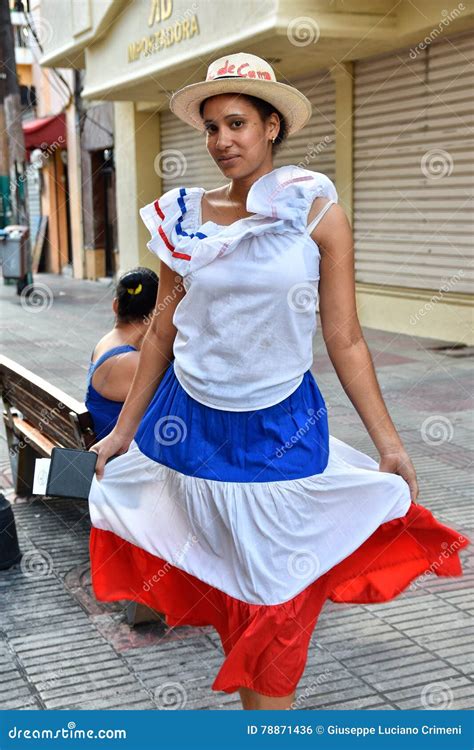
60 648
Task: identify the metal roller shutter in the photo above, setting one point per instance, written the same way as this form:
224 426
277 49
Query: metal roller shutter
190 163
313 147
413 177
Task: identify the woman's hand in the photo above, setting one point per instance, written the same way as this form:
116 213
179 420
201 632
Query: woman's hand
113 444
398 461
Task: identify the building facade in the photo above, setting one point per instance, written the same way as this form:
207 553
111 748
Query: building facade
45 96
391 86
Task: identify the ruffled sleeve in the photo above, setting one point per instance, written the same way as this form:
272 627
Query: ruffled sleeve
288 193
279 201
171 220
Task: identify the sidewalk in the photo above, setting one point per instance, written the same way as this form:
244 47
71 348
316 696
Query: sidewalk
60 648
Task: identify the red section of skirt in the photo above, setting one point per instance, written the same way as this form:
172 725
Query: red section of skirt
266 647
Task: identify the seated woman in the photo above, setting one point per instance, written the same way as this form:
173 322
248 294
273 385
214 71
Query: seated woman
115 357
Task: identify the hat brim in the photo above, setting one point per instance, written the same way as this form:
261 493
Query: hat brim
293 105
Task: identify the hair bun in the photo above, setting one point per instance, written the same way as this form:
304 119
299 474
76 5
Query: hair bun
130 279
136 293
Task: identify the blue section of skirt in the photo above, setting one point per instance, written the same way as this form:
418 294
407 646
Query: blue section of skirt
289 440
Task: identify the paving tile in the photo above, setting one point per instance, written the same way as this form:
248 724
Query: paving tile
452 694
60 648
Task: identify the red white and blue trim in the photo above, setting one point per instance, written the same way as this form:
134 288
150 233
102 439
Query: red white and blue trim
200 521
249 519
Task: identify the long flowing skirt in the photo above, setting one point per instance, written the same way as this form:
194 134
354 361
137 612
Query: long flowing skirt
249 522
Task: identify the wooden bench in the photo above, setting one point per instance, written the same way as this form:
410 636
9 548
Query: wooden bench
39 417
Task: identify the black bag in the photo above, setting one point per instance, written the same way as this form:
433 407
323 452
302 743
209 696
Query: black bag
71 473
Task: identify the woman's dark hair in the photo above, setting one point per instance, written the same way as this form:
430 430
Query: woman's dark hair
136 293
264 109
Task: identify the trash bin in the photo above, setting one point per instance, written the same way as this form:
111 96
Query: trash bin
14 251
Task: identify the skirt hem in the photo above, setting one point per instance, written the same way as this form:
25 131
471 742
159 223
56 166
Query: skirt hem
270 642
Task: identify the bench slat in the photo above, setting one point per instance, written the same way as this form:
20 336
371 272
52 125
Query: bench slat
45 407
8 365
53 421
34 437
38 416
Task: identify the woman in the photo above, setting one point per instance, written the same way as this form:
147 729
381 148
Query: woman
115 358
229 503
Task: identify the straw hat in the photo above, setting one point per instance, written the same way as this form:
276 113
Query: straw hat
246 74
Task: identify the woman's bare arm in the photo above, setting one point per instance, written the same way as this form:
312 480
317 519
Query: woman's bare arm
155 355
345 343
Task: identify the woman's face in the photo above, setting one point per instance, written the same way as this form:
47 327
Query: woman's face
236 137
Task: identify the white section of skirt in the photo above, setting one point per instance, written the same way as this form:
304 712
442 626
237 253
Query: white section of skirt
260 542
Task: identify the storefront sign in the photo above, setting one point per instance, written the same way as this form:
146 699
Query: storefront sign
183 27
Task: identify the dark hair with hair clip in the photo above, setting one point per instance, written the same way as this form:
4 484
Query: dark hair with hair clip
264 109
136 293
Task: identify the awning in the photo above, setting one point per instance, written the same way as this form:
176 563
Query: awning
46 131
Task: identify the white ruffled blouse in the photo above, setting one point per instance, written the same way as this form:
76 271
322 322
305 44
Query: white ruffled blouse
246 323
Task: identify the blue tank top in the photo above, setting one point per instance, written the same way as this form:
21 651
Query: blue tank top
104 411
